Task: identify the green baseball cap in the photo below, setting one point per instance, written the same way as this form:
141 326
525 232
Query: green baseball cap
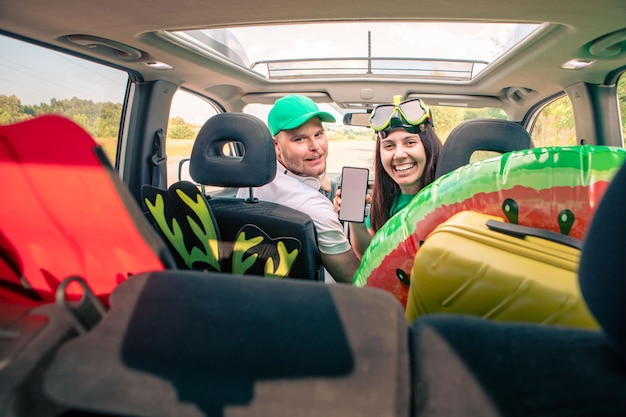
293 111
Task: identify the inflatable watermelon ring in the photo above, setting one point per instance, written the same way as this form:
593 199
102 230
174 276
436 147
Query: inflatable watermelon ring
552 188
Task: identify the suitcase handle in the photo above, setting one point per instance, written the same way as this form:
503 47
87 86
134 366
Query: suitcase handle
521 232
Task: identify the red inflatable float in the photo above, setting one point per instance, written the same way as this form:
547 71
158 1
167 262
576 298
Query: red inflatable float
554 188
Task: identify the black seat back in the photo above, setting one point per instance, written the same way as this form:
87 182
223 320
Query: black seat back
480 135
184 219
184 343
257 237
602 271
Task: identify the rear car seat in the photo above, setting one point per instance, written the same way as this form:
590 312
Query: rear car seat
207 344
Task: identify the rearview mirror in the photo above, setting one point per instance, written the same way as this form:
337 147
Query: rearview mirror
356 119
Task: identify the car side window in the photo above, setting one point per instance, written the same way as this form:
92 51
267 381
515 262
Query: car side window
187 115
446 118
621 97
36 80
554 125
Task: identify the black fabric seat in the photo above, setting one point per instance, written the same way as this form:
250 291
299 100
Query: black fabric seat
467 366
464 365
184 219
253 237
602 270
281 230
186 343
480 135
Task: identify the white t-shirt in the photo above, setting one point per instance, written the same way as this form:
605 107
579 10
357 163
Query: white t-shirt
302 194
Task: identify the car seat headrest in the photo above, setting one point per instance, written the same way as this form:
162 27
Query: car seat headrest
480 135
602 270
211 162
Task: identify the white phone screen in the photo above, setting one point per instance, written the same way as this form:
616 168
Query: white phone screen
353 189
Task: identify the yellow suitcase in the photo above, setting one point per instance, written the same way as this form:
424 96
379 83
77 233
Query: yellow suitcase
468 266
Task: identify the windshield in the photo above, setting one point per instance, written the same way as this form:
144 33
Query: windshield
355 145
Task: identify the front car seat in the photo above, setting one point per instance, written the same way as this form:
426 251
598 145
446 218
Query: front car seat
480 135
256 237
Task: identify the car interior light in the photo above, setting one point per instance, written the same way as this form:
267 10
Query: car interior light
576 64
158 65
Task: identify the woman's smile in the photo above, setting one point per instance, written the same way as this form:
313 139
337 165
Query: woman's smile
404 167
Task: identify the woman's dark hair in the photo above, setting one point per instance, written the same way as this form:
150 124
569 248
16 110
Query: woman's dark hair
386 190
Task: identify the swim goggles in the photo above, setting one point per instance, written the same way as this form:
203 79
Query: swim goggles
409 112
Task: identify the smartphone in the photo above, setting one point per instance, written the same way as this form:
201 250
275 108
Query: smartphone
354 183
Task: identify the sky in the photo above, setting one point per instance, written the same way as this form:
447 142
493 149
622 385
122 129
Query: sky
36 75
437 40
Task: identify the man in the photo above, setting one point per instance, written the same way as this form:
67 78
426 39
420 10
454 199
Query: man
301 151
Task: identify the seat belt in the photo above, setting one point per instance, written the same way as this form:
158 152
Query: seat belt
158 160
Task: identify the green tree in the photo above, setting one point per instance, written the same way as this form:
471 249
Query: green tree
485 113
11 110
101 120
110 116
179 129
445 119
621 95
555 125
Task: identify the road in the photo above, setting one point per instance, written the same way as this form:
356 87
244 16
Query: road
349 153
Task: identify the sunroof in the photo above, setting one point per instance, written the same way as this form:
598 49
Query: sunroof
450 51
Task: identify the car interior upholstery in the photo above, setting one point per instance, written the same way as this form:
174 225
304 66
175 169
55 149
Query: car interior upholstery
467 137
255 237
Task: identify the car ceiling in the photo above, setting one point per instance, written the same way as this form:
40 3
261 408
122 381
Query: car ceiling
134 23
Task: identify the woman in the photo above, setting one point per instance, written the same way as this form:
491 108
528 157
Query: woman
407 150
